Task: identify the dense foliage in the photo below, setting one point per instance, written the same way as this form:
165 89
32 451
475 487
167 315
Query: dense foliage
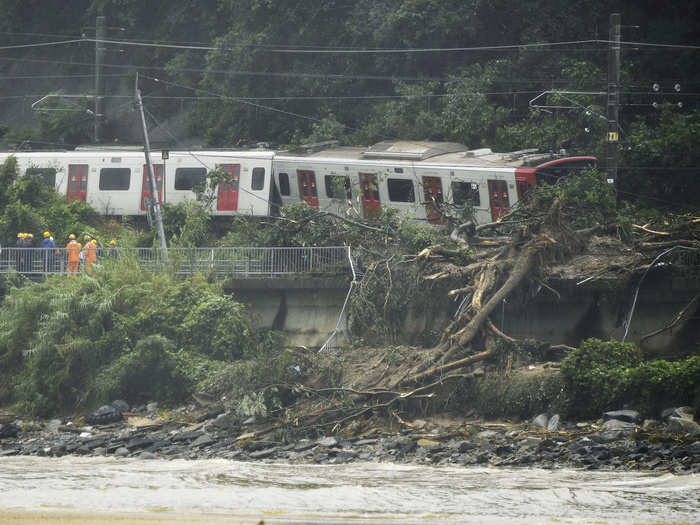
117 333
27 204
607 375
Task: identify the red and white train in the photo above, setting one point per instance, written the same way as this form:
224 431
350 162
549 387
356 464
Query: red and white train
412 177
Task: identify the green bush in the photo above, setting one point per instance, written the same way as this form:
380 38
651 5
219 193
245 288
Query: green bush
594 374
605 375
149 371
73 342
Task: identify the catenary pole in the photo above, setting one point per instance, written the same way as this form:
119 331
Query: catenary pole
100 33
155 198
613 103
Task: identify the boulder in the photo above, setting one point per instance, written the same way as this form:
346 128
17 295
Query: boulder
486 434
616 424
104 415
683 412
541 421
630 416
8 430
683 425
554 423
328 442
120 405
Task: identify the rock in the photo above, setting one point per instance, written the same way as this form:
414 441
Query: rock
683 425
54 425
607 436
553 423
120 405
487 434
147 455
259 454
226 421
103 415
139 442
427 443
616 424
307 444
682 412
121 452
254 446
8 430
464 446
541 421
250 421
328 442
630 416
529 442
650 423
187 435
203 440
152 406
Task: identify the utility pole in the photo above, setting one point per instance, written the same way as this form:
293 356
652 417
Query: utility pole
100 33
613 104
155 198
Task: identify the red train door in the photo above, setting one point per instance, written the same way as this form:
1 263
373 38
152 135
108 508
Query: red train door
77 182
146 186
227 196
370 195
432 191
498 198
307 187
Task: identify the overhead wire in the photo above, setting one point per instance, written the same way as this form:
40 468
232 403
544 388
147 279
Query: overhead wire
302 50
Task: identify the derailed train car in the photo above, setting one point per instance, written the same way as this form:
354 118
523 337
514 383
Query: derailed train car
416 178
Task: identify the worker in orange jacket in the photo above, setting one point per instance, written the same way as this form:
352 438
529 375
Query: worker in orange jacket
90 251
73 250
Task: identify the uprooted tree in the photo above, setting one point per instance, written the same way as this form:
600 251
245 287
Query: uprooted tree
489 263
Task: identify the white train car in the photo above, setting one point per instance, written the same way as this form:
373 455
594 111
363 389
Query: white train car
115 181
416 178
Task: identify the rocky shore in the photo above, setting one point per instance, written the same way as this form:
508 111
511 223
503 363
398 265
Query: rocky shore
618 441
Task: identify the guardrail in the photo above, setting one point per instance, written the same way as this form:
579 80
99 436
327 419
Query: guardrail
238 262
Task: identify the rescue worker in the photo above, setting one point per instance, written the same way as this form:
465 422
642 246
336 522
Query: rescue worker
49 252
29 256
73 250
113 251
19 252
90 252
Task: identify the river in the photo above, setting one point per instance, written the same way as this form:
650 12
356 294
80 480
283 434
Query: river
107 490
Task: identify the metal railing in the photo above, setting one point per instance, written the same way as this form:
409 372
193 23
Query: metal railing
240 262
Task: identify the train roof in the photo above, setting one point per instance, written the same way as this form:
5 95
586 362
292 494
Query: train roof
400 152
431 152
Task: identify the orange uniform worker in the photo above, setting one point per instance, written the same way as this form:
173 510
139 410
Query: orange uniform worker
73 250
90 252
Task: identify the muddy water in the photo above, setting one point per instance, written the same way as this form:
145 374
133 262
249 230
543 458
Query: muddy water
354 493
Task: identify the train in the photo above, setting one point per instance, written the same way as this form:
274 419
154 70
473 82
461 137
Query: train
417 178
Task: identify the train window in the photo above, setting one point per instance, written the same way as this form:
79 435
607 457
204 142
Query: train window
398 170
188 178
401 190
115 179
258 181
284 184
465 193
45 175
338 187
